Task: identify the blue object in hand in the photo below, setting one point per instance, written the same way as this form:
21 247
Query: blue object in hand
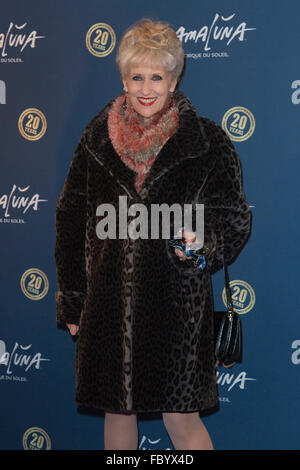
197 256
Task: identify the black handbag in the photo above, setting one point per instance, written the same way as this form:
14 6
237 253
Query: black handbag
228 330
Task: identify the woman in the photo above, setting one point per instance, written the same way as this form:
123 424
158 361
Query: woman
143 312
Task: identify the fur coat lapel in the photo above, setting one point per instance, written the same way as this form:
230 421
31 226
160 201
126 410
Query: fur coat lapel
189 141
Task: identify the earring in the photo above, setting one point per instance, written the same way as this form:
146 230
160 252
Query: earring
124 104
172 99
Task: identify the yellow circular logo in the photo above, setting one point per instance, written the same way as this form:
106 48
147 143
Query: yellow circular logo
32 124
100 39
239 123
242 294
34 284
36 439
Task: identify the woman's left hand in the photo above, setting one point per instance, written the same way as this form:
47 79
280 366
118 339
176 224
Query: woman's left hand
189 237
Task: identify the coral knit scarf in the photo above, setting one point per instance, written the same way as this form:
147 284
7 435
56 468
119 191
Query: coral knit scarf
138 144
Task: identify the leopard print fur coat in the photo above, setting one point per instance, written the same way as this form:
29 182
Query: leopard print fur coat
145 318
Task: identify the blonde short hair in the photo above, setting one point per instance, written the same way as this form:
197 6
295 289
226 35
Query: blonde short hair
151 42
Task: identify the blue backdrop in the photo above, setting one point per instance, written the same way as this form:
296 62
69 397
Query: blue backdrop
57 71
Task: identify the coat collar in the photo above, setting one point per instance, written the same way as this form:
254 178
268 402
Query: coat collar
189 141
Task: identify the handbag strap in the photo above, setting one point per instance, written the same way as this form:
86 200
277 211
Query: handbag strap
227 286
226 275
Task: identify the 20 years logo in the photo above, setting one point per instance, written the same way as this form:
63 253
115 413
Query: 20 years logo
100 39
36 439
242 294
32 124
34 284
239 123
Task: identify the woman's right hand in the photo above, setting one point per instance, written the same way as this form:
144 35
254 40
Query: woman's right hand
73 329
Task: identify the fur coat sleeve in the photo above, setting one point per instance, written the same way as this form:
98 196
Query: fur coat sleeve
227 213
70 224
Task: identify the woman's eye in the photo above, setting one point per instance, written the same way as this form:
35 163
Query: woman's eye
154 77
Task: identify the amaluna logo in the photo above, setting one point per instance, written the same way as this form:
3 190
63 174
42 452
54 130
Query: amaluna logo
218 30
16 37
20 357
226 379
16 201
147 444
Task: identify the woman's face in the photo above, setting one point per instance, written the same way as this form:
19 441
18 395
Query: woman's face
148 89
